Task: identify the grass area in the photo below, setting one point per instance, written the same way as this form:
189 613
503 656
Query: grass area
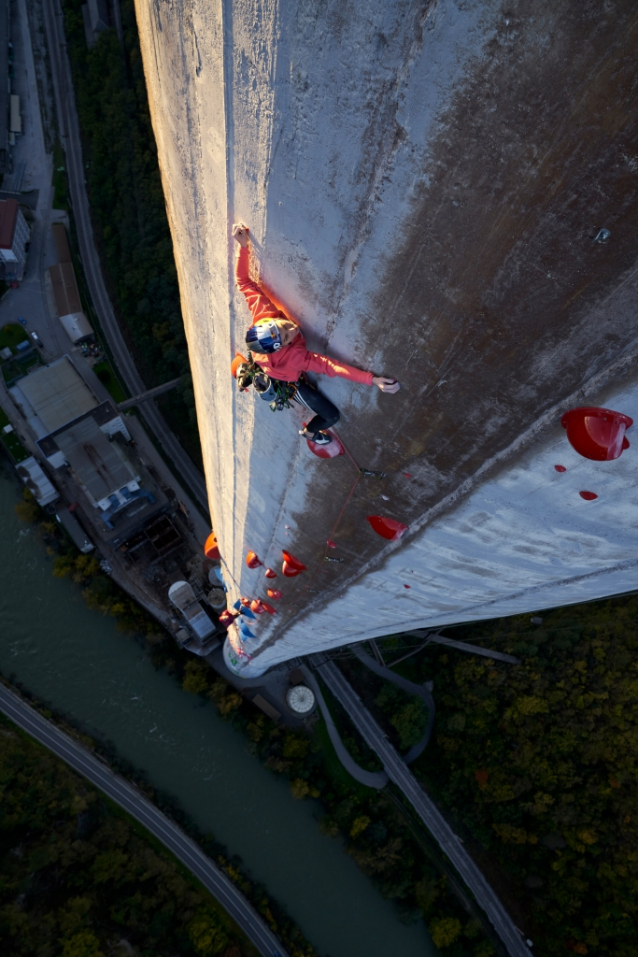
334 767
107 377
352 739
20 365
11 441
11 335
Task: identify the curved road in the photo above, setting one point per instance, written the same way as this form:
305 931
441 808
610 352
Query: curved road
425 808
139 807
70 136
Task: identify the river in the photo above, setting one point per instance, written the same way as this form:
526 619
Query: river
76 659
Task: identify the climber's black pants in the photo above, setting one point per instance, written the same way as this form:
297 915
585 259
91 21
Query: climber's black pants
327 414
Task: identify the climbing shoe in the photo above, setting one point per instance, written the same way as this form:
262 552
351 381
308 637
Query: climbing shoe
319 438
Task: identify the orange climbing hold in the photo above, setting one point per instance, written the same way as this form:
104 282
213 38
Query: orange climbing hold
274 593
269 608
211 548
252 561
235 364
596 433
387 527
257 606
270 573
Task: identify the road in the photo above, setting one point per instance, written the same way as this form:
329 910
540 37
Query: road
425 808
120 791
70 136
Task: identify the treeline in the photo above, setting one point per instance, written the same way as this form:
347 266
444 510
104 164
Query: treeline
539 764
128 211
379 834
80 880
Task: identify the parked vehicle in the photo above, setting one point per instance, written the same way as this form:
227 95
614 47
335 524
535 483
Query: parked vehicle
38 341
21 320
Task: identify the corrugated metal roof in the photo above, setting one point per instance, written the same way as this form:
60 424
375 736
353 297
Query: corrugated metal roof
65 289
76 326
61 243
97 462
58 394
34 478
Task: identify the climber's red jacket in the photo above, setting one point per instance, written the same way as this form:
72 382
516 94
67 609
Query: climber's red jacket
288 363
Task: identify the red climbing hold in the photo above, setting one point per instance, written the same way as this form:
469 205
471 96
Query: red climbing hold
290 571
560 468
269 608
235 364
407 586
211 548
330 451
270 573
293 562
588 496
596 433
387 527
252 561
331 544
256 605
274 593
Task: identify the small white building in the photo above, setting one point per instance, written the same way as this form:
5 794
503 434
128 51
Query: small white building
14 236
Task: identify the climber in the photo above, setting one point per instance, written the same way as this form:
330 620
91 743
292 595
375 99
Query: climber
278 347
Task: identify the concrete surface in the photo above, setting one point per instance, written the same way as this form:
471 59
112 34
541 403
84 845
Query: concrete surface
423 182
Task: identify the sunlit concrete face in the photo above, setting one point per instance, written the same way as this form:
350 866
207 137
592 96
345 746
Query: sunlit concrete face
424 183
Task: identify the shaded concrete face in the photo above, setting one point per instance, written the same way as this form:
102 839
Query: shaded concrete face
424 185
497 285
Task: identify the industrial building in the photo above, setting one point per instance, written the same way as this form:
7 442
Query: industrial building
66 293
14 236
89 440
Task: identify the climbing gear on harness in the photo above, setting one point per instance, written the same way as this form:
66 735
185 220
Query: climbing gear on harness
278 394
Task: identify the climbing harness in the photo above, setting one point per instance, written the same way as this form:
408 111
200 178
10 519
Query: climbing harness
278 394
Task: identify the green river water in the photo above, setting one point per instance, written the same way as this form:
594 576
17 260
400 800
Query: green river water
76 660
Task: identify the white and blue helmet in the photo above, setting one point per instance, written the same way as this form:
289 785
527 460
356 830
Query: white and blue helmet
264 336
